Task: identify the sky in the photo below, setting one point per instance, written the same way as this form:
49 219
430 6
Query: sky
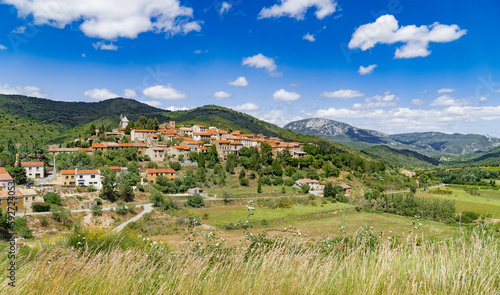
394 66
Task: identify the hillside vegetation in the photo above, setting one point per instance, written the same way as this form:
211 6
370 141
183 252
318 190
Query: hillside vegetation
400 158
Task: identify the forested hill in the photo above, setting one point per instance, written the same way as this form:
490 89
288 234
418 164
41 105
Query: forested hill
72 114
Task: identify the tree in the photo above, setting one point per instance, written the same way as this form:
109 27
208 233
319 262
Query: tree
304 188
18 174
259 188
266 152
52 198
201 175
108 184
195 201
242 174
127 192
328 191
339 191
201 160
96 210
157 199
60 214
244 182
277 170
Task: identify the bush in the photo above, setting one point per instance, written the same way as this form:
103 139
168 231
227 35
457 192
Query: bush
252 175
79 198
98 201
157 199
195 201
40 207
131 208
304 188
91 188
52 198
175 165
170 204
60 214
121 208
140 187
96 210
244 182
26 232
44 221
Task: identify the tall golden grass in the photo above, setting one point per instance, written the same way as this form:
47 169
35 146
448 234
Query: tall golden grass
463 266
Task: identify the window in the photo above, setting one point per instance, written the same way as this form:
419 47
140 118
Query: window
67 176
92 176
81 176
72 177
33 198
30 169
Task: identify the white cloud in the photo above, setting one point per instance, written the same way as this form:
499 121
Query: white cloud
153 103
446 90
446 100
2 47
84 55
298 8
199 51
103 46
225 8
260 61
342 94
175 109
378 101
246 107
129 93
366 70
309 37
19 30
283 95
26 90
294 85
279 117
482 98
239 82
386 30
417 102
111 19
100 94
221 95
164 92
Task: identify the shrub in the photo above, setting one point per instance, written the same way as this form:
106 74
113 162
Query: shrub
244 182
140 187
40 207
26 232
44 221
96 210
121 208
52 198
131 208
91 188
175 165
170 204
195 201
205 215
253 175
304 188
157 199
79 198
60 214
98 201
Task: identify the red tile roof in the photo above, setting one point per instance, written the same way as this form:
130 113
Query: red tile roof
88 171
155 171
68 172
32 164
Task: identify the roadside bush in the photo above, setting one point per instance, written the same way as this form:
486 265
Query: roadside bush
96 210
40 207
170 204
91 188
121 208
60 214
140 187
195 201
98 201
52 198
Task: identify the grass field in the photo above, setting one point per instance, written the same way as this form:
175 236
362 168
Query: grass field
488 202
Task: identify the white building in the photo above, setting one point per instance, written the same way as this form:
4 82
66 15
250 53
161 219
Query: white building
82 177
33 169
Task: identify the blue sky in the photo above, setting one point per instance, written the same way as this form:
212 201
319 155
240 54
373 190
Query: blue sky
393 66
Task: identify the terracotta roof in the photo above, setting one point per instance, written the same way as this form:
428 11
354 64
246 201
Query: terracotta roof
180 147
2 170
112 144
28 164
187 138
85 149
144 130
154 171
98 145
222 141
68 172
88 171
203 148
5 176
202 133
5 194
201 126
236 143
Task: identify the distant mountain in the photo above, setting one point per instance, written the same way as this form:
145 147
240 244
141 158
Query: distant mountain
427 143
400 158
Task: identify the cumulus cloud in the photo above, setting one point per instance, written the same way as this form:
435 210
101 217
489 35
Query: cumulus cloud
246 107
175 109
100 94
366 70
239 82
103 46
260 61
283 95
221 95
153 103
298 8
342 94
309 37
386 30
417 102
225 8
26 90
446 100
2 47
446 90
129 93
378 101
279 117
111 19
164 92
199 51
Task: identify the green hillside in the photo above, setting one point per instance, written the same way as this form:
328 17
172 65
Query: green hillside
400 158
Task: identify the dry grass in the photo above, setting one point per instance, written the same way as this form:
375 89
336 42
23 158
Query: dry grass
288 267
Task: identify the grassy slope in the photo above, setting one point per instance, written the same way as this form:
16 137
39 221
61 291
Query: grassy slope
400 158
